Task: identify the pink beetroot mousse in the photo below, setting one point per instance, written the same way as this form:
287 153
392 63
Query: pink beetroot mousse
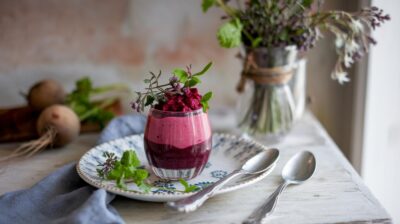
178 140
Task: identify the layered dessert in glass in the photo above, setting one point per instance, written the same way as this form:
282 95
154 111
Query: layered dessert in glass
177 137
177 144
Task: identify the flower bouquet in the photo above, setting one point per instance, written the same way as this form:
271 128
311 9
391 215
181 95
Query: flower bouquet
273 33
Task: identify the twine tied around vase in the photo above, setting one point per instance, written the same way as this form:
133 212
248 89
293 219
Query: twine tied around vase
275 75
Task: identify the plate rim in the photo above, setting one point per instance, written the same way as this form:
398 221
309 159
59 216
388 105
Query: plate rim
132 193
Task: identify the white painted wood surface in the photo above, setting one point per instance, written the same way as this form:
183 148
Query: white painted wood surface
335 194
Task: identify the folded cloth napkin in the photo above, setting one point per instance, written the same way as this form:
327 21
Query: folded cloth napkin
63 197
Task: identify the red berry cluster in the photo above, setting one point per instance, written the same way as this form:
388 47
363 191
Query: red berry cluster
188 101
178 95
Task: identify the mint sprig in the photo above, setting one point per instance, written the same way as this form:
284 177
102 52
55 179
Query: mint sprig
128 168
187 78
156 93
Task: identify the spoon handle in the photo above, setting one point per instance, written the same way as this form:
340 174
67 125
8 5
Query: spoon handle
191 203
267 208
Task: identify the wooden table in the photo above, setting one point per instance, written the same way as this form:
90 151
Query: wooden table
335 194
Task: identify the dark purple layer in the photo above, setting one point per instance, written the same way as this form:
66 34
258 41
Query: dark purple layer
170 157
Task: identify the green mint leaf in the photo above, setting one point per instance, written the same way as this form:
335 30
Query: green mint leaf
129 158
205 69
230 34
197 80
205 106
206 97
144 187
192 188
186 83
130 171
193 81
149 100
180 74
140 175
116 172
204 101
183 79
207 4
184 183
187 186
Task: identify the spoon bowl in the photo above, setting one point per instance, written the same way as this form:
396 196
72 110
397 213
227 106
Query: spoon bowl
299 168
261 162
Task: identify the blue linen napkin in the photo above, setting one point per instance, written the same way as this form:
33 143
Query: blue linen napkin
63 197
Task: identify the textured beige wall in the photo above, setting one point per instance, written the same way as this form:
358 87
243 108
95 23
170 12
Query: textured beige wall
122 40
110 41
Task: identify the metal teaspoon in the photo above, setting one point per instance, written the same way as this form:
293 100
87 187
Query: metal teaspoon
256 164
297 170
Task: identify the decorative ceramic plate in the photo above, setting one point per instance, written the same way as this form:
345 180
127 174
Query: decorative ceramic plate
228 153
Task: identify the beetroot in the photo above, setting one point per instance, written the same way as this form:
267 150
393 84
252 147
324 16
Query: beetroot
57 126
45 93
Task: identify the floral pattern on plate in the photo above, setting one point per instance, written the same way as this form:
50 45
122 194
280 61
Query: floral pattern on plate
228 153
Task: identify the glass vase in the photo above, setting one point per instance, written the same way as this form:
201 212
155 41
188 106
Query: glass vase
177 144
267 108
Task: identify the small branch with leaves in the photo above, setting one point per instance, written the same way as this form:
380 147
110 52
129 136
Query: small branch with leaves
281 23
180 86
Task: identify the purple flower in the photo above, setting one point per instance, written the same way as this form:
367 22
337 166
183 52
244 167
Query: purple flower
173 80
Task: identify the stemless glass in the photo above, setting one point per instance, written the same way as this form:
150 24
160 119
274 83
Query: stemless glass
177 144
